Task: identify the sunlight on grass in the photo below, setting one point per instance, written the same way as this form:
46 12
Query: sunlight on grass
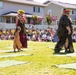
41 60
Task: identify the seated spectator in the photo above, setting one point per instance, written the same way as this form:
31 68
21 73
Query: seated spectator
3 37
0 32
44 37
34 37
38 37
28 37
49 38
55 38
74 37
0 37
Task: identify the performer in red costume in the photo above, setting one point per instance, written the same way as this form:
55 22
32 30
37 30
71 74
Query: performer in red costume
20 21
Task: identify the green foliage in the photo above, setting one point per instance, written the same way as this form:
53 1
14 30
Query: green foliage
36 20
50 19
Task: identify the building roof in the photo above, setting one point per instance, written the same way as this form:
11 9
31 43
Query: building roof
30 2
65 5
13 13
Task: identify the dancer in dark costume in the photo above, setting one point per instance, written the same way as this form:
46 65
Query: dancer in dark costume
64 34
20 21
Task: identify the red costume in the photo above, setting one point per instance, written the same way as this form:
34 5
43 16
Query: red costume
22 34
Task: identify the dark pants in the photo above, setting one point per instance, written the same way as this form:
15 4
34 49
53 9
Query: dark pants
61 42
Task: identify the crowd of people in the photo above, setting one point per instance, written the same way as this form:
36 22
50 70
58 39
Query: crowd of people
41 35
49 34
7 34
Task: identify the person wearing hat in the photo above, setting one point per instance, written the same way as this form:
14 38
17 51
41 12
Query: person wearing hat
20 21
64 33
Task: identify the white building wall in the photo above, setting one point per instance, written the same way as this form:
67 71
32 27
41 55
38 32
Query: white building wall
8 6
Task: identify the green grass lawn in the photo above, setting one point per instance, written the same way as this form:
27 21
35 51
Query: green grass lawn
41 60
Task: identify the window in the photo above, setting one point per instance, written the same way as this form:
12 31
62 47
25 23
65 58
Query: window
33 9
73 11
0 19
49 12
1 4
57 22
37 9
13 19
8 20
